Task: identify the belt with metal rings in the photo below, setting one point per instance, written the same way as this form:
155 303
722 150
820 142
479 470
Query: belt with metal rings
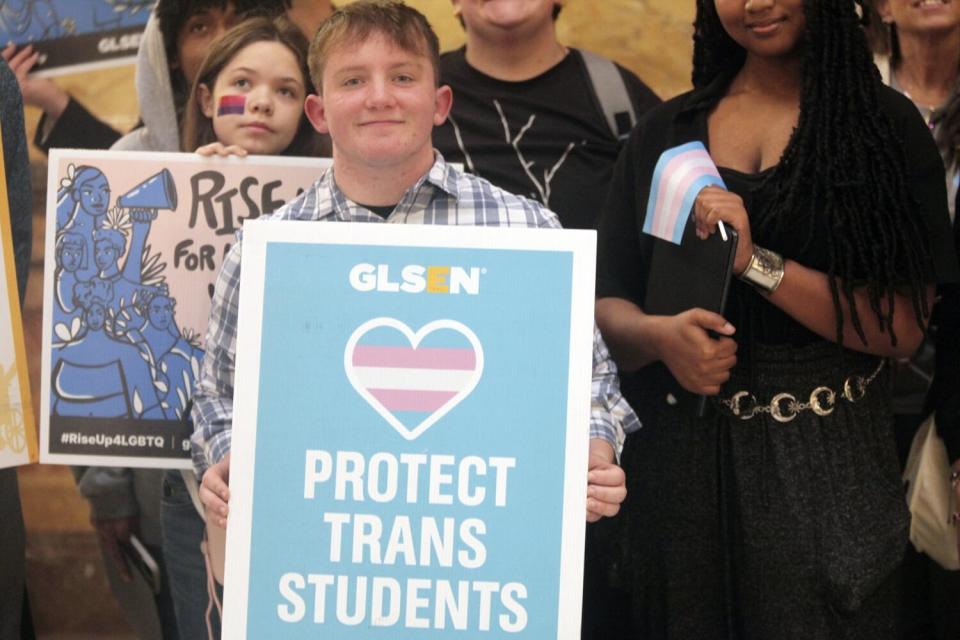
784 407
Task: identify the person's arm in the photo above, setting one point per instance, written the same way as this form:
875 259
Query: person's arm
610 418
65 122
804 293
699 362
75 128
213 399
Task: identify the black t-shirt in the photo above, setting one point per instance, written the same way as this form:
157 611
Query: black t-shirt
383 211
624 250
542 138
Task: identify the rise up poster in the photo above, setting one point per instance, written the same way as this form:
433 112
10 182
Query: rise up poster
134 244
410 432
75 35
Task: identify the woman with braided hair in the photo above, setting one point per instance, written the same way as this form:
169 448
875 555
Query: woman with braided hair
780 513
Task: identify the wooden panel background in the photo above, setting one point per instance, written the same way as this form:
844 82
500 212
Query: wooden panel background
650 37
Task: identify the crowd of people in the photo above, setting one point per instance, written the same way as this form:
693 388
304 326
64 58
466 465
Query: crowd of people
778 512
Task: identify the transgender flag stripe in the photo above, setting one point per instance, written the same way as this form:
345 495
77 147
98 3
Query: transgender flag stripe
412 379
681 173
410 358
411 400
231 105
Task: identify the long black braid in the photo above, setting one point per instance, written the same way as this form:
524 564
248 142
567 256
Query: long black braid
843 175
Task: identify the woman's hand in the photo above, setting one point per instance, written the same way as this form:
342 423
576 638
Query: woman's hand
714 204
219 149
699 362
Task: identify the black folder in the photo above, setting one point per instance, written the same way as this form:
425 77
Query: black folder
695 273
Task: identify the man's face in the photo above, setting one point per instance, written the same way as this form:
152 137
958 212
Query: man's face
160 312
492 17
105 254
96 315
379 105
198 34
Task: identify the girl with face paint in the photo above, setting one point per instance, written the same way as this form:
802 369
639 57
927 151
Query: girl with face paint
247 98
249 94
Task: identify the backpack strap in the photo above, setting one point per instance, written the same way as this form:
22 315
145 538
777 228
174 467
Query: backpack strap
610 94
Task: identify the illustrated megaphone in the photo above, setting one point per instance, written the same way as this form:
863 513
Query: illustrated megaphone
156 192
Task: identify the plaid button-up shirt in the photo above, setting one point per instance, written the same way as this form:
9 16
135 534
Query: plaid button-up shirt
443 196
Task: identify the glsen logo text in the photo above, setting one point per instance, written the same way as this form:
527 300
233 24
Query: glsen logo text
415 278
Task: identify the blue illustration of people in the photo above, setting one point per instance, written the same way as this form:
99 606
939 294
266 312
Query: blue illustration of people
117 350
82 204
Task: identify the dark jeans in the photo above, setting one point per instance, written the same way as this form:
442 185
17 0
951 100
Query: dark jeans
182 534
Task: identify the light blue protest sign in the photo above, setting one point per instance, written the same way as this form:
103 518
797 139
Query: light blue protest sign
411 429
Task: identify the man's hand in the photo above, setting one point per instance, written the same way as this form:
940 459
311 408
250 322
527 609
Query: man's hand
113 534
606 483
215 491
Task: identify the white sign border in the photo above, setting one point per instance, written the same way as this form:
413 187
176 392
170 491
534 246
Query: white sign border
258 234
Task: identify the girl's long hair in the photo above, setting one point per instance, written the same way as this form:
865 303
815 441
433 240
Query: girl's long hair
198 128
843 177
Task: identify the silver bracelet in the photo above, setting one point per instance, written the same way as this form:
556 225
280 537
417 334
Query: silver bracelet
764 271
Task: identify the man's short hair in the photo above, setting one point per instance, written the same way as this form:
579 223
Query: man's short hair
404 26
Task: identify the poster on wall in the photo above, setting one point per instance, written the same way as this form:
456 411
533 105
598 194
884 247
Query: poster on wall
411 430
75 35
134 244
18 434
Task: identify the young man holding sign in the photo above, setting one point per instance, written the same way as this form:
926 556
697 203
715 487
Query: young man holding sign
375 63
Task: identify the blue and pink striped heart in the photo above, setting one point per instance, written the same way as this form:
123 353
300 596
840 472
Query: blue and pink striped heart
412 379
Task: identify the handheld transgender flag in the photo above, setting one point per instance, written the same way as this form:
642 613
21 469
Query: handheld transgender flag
681 173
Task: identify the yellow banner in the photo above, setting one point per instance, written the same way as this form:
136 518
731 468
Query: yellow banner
18 432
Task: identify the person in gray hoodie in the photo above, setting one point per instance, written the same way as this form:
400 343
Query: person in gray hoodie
125 501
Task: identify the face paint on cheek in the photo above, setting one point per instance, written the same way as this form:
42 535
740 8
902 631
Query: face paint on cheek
231 106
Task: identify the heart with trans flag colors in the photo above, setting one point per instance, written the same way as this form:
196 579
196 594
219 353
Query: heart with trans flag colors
412 379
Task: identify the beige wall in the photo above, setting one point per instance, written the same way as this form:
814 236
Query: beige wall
650 37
